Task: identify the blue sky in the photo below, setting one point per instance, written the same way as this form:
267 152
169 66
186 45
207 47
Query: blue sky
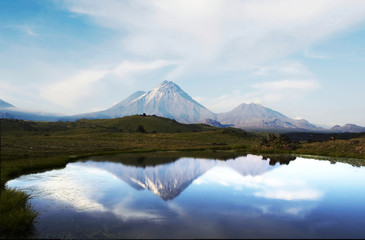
305 59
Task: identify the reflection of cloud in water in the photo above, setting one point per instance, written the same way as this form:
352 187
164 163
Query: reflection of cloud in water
292 194
80 187
83 185
299 210
268 185
126 212
176 208
73 185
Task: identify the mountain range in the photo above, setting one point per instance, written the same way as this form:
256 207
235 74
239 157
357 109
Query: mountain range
348 128
170 101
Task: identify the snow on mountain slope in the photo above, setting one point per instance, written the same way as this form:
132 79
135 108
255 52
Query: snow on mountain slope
256 116
166 100
169 100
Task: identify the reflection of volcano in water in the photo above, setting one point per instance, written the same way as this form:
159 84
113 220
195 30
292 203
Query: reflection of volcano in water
168 180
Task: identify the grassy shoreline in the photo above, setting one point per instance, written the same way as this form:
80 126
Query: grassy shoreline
29 147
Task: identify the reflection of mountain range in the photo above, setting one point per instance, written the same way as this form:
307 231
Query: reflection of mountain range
168 180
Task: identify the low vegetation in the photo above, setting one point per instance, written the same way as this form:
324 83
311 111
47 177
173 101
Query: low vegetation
344 147
17 215
28 146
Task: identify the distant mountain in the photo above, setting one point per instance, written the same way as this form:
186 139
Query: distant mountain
215 123
166 100
4 104
8 110
255 116
351 128
32 116
170 101
6 115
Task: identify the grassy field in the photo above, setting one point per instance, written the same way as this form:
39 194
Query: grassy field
28 147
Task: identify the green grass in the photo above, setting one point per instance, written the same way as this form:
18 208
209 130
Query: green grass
352 148
17 215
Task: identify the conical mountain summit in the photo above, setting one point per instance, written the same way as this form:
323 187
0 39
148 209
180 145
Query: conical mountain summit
166 100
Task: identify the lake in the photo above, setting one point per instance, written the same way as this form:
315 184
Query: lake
245 197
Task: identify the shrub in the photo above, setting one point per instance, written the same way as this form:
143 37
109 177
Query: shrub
140 129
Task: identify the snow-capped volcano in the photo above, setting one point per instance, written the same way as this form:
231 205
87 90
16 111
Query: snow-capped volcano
169 100
166 100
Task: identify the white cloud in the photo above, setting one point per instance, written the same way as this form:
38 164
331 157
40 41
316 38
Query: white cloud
262 93
219 36
127 67
83 84
68 91
233 33
267 184
315 55
289 68
28 30
289 195
125 211
287 84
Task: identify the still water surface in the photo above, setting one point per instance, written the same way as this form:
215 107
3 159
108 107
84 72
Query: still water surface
245 197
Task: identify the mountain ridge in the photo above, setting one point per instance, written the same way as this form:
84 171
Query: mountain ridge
4 104
352 128
170 101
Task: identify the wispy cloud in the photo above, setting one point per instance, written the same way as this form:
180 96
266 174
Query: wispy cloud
289 195
262 93
24 28
264 185
287 84
234 33
288 68
314 55
28 30
69 90
83 84
128 67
